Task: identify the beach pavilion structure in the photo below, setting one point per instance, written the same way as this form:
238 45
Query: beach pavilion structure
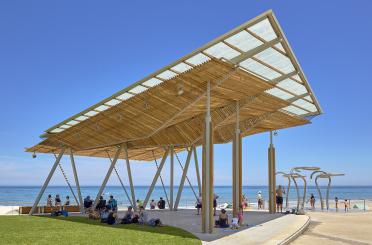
245 82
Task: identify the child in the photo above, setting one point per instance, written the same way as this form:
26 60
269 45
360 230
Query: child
235 223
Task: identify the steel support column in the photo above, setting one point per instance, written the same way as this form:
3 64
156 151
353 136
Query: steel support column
130 177
183 178
236 172
171 187
105 180
77 181
271 174
207 170
197 170
42 190
156 177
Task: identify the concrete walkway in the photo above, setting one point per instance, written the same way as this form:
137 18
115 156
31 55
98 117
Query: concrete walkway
337 228
263 228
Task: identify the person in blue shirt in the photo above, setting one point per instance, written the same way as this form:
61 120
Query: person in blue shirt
113 203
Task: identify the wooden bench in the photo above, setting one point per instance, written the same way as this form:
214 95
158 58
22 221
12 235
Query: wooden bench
48 209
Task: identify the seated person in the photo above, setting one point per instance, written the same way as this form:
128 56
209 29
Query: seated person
57 201
142 216
67 201
135 218
223 219
101 204
139 203
161 203
88 202
111 219
128 216
50 201
154 222
104 215
152 204
113 203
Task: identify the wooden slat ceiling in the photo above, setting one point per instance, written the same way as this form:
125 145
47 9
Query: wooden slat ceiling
164 115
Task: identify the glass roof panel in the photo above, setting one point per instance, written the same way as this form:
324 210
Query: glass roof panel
244 41
125 96
152 82
264 30
308 98
198 59
166 75
101 108
81 118
306 105
259 69
280 47
91 113
279 93
57 130
275 59
292 86
65 126
221 50
297 77
112 102
72 122
138 89
181 67
295 110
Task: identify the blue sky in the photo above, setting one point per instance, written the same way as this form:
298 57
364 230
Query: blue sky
59 57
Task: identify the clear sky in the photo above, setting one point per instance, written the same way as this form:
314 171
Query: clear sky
60 57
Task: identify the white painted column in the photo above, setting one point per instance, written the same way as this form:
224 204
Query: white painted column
183 178
155 177
45 185
105 180
134 203
77 181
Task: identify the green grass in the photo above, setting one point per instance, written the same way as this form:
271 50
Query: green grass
80 230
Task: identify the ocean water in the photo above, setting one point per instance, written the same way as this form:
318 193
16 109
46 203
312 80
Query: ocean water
25 195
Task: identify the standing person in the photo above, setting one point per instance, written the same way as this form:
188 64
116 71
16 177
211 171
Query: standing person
113 203
215 197
336 202
152 204
161 203
346 205
57 200
240 215
50 201
198 204
259 200
67 201
312 201
279 199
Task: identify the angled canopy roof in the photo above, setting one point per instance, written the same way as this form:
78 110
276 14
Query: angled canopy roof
252 64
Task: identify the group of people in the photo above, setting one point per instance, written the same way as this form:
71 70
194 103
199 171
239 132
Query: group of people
199 204
236 221
57 201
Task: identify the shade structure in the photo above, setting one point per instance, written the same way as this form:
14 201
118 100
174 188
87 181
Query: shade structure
252 64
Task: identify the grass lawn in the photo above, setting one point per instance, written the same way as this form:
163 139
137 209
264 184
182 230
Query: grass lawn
80 230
